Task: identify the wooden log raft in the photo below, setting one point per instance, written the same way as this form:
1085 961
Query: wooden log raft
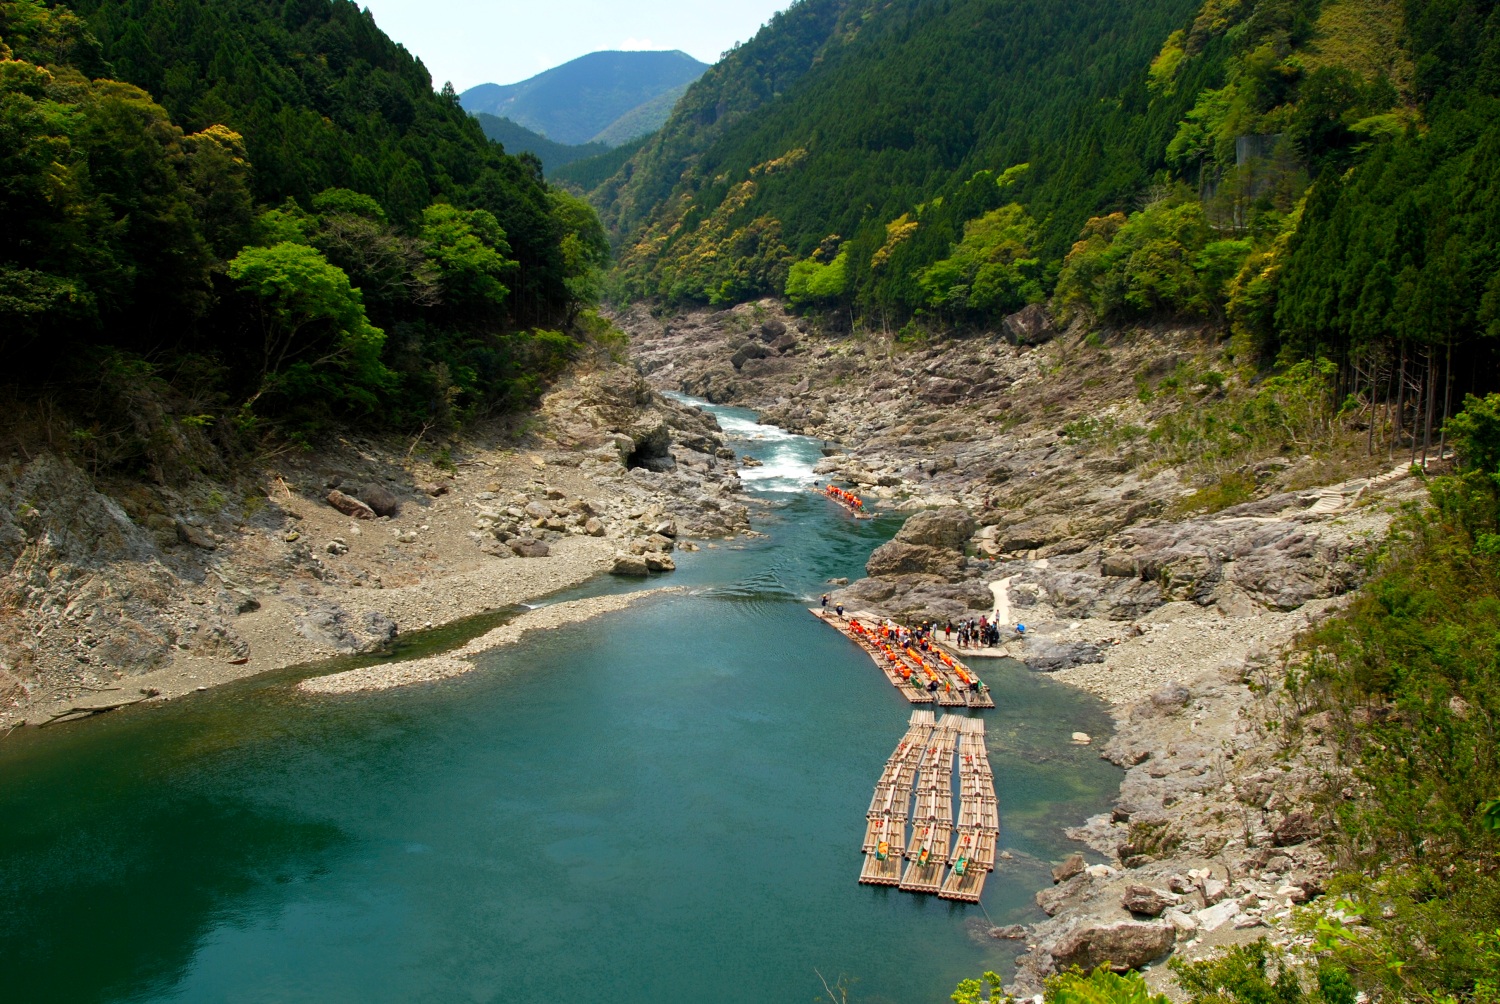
978 827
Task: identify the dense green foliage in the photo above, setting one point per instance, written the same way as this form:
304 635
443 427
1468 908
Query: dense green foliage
585 175
1320 176
517 139
843 115
273 193
1257 973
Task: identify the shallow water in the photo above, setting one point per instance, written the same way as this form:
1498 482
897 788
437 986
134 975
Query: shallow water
661 805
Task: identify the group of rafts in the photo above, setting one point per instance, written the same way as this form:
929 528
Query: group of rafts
939 855
921 679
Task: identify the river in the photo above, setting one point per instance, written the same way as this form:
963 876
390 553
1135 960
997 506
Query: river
662 805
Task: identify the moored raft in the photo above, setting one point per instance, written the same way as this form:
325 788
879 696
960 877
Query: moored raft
978 829
932 817
922 678
885 831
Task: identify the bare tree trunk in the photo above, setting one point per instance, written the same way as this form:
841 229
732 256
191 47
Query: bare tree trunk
1447 399
1400 403
1416 418
1427 431
1370 430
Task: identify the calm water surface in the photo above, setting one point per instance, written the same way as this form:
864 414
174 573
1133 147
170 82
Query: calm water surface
663 805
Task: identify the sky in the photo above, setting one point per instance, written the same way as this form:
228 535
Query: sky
502 41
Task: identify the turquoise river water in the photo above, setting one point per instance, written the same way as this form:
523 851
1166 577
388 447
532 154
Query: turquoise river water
662 805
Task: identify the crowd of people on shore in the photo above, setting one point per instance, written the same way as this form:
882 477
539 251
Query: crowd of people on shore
977 633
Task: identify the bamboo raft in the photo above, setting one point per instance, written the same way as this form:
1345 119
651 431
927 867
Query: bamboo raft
978 828
851 510
932 819
910 671
922 769
886 820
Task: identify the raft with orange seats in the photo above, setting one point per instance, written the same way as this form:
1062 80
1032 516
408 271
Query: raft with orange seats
850 502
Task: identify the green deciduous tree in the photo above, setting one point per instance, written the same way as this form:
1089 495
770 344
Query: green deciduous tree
469 249
312 323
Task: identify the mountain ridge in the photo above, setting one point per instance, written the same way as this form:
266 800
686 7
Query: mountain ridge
587 98
517 139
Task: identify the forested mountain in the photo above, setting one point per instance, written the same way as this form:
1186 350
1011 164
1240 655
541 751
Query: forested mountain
1319 173
843 115
263 207
609 97
517 139
587 175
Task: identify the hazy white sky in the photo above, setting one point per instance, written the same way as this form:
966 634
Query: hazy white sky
501 41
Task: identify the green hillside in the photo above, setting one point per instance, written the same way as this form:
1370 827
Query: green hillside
844 114
262 210
643 119
586 175
585 99
517 139
1320 173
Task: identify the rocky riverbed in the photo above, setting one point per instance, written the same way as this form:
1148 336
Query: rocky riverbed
1178 618
117 592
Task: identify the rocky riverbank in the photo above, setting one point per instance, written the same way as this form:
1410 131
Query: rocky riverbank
1177 616
118 591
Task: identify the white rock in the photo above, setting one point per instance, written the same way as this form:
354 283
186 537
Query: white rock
1184 923
1082 738
1215 917
1100 871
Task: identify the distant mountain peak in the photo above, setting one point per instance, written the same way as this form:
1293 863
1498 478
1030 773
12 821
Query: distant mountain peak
586 97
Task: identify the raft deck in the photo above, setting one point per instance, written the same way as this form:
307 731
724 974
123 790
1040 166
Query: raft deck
932 818
891 803
910 671
978 817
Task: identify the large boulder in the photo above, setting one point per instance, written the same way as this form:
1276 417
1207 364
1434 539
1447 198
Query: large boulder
630 564
333 627
746 352
1122 945
1074 865
350 506
1049 655
1297 828
528 547
380 499
1030 326
948 528
900 558
1145 900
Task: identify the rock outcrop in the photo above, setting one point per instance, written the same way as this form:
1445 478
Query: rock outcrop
1122 945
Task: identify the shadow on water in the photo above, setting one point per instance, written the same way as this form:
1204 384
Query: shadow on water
668 798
